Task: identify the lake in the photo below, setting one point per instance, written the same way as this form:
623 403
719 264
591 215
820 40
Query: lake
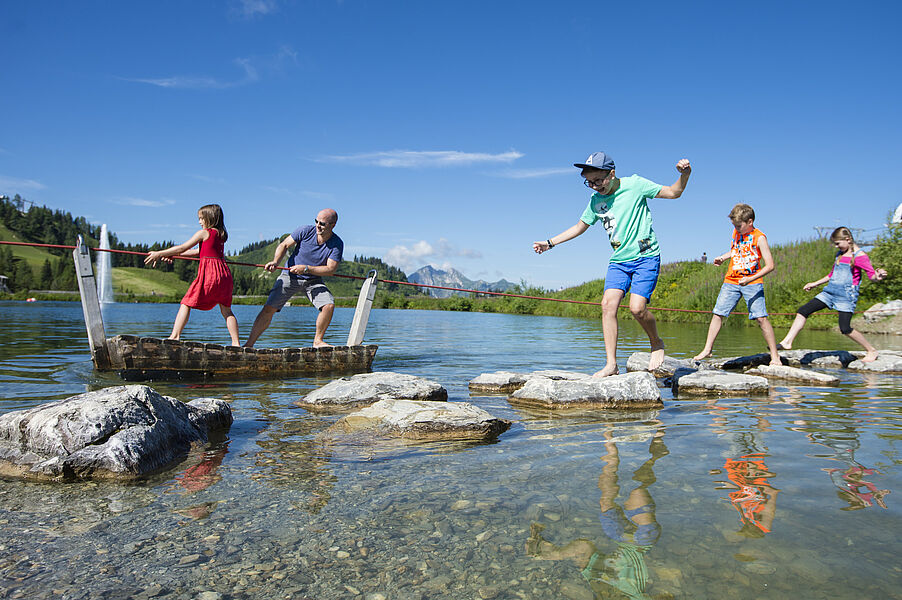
795 495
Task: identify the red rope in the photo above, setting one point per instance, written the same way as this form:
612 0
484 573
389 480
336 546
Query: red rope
422 285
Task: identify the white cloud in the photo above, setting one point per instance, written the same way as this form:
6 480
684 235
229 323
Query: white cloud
130 201
252 67
248 9
413 257
412 159
533 173
207 179
14 184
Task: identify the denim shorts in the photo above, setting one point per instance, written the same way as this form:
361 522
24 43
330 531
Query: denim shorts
640 274
729 296
288 284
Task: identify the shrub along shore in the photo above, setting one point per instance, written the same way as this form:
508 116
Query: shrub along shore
682 285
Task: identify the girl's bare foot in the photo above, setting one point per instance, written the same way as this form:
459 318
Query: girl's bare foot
784 346
607 370
871 356
702 355
321 345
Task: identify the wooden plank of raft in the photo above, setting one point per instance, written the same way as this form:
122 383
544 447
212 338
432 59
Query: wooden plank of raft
145 358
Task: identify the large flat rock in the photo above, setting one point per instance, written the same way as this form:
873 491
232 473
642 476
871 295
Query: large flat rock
708 382
504 382
122 432
625 392
423 420
368 388
887 362
638 361
794 374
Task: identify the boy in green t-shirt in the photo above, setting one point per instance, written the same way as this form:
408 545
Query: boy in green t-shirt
621 206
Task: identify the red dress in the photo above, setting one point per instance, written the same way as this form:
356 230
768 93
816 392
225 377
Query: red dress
213 284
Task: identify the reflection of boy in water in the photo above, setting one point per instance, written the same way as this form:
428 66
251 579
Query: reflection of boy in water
754 498
632 526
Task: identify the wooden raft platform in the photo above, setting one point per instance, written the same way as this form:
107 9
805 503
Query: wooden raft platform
146 358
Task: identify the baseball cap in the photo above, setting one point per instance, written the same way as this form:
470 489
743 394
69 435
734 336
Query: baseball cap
597 160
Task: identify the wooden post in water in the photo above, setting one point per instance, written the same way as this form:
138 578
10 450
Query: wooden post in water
362 314
90 304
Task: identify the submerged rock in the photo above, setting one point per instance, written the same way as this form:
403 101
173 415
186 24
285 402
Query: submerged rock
367 388
690 382
498 382
121 432
794 374
423 420
630 391
638 361
503 382
887 362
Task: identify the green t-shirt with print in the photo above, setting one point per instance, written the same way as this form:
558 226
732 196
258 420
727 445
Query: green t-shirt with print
625 216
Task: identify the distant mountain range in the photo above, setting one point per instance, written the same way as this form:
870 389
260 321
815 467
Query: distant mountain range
453 278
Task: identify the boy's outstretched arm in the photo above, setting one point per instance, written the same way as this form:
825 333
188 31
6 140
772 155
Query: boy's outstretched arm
766 258
674 191
560 238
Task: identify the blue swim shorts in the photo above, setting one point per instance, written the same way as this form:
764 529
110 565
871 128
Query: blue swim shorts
640 274
729 296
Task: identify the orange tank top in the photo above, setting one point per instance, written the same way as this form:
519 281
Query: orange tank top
745 255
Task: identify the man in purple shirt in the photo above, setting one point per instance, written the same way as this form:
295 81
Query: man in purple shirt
317 252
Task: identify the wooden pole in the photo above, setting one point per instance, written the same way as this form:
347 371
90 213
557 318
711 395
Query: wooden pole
90 304
362 314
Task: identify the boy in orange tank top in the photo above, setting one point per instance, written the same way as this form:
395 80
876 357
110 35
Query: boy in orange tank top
750 260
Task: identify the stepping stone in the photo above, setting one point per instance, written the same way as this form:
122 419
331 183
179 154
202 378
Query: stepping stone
504 382
630 391
718 382
638 361
367 388
119 433
887 362
819 358
499 382
794 374
423 420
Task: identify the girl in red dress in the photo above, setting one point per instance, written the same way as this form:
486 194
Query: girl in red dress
213 284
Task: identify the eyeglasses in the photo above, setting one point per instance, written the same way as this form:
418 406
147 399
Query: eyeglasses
593 183
322 223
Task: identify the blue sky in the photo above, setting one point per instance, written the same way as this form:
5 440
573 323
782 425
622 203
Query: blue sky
444 133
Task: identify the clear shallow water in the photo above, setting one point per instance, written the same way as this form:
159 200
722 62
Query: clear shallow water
778 497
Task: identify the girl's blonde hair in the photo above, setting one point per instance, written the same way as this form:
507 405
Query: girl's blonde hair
842 233
211 214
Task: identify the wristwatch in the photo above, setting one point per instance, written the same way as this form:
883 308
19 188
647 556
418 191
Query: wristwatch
306 268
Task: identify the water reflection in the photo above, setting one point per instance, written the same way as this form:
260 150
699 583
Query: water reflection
849 480
632 526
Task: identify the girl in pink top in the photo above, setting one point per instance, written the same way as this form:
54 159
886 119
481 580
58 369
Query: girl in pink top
841 292
213 284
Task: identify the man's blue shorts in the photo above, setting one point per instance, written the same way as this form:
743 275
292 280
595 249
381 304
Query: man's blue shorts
640 274
729 296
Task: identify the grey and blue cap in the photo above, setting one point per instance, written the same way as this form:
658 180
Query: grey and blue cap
597 160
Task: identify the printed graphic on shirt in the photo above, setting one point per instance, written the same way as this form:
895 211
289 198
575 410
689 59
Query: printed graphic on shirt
744 255
609 222
644 245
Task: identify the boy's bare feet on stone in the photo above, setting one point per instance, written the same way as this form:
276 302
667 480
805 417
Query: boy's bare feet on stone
657 356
